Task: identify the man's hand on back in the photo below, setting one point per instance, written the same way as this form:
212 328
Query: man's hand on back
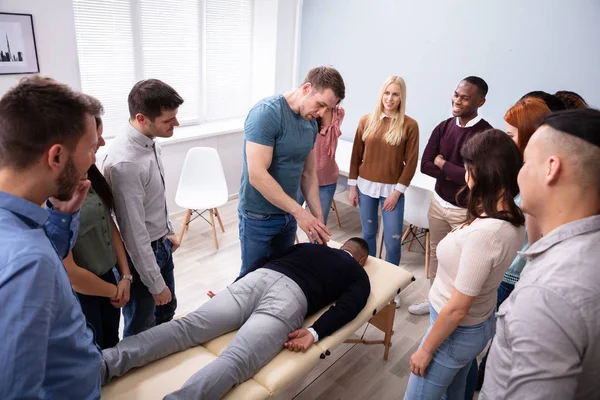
163 297
300 340
316 231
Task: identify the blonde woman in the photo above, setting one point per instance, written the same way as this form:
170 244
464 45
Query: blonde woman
384 160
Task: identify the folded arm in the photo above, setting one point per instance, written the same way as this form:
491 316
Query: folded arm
345 309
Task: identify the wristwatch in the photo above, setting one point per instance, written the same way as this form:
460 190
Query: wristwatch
128 277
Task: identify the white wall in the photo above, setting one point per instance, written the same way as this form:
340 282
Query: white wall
516 46
57 52
54 29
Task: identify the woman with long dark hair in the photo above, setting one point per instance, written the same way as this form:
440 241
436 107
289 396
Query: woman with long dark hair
98 248
472 261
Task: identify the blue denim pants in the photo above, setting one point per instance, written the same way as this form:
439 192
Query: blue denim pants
393 223
141 312
262 235
446 376
326 194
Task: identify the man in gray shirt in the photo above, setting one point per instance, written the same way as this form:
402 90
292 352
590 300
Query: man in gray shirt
547 343
134 169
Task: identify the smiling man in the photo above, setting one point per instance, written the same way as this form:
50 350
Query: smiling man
134 170
442 160
279 136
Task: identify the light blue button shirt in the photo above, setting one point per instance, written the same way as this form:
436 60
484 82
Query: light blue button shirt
47 349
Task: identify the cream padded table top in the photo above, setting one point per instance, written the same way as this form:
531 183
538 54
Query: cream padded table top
164 376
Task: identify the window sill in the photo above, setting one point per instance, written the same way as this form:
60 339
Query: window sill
205 130
191 132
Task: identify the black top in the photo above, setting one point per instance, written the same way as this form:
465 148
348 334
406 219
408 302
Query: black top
325 275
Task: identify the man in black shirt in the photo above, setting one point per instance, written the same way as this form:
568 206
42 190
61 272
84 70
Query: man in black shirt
268 305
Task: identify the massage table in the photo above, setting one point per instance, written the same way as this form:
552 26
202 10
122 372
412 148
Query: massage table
156 380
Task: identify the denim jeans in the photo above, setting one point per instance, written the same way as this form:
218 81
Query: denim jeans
446 376
326 194
141 312
262 235
101 315
393 223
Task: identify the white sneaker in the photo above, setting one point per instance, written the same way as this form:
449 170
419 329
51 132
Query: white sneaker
398 301
419 308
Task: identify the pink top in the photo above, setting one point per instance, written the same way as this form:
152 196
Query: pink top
325 146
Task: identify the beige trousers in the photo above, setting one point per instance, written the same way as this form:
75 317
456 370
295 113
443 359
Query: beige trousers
441 222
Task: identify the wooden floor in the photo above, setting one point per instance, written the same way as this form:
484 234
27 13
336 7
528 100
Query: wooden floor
353 371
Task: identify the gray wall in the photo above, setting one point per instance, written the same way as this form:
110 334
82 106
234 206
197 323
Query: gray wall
516 46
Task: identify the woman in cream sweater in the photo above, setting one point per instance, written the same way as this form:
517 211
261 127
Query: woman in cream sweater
472 261
384 160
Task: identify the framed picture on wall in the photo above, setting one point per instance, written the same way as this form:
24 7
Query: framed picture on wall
18 53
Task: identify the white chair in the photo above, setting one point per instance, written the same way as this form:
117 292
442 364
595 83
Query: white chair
202 187
416 207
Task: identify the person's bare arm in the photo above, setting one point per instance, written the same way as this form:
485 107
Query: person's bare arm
123 267
86 282
310 186
259 158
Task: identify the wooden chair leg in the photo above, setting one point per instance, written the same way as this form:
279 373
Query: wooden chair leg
337 216
212 223
427 254
186 224
219 219
406 232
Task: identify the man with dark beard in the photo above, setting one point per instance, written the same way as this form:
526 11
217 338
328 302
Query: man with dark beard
47 143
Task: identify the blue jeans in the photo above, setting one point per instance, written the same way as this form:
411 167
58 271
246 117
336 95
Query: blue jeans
446 376
141 312
393 223
325 196
262 235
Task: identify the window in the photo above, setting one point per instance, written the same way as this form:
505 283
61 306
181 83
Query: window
203 48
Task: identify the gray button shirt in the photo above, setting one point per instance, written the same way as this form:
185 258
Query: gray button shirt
134 170
547 343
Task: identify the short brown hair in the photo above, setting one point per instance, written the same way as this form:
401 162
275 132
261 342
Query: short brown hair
322 78
95 104
150 97
36 114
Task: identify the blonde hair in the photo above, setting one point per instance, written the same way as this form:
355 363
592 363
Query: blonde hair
394 135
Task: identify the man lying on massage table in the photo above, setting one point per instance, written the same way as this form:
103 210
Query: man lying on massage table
268 305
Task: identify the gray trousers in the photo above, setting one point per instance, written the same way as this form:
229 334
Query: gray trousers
264 305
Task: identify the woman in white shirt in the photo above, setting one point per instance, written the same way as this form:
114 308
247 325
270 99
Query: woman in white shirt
472 261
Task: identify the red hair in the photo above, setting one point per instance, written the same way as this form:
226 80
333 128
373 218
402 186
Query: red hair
526 115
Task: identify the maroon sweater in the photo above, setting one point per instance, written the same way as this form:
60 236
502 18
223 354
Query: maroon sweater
447 139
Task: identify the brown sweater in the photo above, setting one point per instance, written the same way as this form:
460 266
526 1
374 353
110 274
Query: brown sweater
378 161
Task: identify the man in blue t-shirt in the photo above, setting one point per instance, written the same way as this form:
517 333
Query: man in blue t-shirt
279 135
